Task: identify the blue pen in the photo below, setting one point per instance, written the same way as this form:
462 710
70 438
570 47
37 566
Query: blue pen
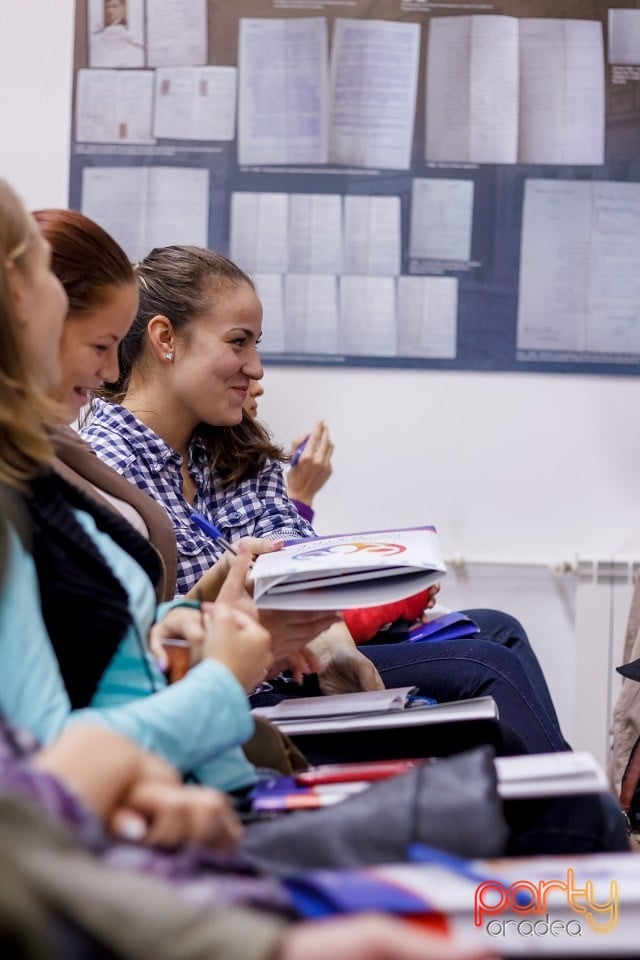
213 532
422 853
418 700
299 451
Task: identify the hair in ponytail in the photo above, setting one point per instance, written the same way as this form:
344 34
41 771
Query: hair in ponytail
178 282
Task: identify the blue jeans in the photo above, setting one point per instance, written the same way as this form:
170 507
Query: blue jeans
504 629
497 662
590 823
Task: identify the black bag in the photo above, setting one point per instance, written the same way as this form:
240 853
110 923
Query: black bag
450 803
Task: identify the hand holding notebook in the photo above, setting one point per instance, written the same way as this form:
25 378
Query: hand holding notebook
349 570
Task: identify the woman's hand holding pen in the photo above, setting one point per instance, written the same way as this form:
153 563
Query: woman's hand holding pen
180 624
290 630
224 631
210 584
312 468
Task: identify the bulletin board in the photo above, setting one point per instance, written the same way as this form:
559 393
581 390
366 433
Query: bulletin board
449 185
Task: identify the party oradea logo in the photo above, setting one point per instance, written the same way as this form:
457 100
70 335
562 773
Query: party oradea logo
533 915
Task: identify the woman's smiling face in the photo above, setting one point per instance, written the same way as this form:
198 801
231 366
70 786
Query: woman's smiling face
89 346
216 360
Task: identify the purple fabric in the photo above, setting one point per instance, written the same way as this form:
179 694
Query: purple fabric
199 875
306 512
46 792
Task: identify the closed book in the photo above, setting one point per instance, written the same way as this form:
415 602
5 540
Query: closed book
448 626
347 571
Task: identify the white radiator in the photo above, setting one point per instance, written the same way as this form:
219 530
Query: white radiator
575 614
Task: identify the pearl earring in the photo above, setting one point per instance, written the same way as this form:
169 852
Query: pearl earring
168 356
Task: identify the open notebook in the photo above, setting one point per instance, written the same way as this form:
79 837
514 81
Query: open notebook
397 707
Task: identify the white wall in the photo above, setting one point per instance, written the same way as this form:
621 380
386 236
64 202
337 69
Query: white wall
36 62
530 467
508 465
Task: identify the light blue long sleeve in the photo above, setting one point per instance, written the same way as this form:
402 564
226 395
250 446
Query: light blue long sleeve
32 693
196 724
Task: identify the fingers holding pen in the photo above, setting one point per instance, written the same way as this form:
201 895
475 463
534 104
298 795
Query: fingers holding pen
319 447
310 472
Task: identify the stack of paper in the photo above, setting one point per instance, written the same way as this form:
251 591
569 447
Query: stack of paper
550 774
372 709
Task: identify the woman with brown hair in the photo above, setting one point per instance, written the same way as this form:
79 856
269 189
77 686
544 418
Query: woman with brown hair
174 425
100 285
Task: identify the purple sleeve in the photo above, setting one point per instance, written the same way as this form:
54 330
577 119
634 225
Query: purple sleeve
304 510
19 776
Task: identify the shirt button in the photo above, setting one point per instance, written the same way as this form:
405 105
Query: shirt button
233 516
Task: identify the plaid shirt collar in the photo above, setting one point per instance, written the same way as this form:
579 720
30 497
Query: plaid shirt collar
151 449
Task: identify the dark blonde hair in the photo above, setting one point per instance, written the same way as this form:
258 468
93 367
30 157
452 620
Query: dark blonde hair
178 282
24 408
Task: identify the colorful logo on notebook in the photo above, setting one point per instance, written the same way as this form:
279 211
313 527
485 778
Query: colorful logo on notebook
355 546
527 899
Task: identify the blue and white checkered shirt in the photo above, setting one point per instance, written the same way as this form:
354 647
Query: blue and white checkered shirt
258 507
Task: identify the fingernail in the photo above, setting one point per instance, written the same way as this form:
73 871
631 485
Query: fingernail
131 828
